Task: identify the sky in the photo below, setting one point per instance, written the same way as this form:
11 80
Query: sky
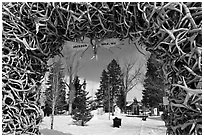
91 69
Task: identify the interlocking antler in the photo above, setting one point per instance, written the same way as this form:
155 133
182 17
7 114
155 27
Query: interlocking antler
33 32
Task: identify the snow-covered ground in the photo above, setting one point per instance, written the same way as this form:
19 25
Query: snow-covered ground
101 125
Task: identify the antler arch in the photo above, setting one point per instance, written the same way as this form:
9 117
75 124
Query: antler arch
33 32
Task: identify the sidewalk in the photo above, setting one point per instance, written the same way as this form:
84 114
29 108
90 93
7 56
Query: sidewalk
153 126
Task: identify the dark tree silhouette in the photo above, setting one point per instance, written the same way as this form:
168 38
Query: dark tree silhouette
101 94
111 87
81 105
154 83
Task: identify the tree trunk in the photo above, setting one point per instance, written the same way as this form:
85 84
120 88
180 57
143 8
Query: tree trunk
109 104
55 90
71 96
125 98
70 108
112 110
82 121
52 115
112 105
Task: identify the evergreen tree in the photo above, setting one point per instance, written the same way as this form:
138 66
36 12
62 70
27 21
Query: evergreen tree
81 104
115 84
102 98
114 93
111 87
153 83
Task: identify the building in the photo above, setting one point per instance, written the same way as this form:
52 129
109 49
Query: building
134 107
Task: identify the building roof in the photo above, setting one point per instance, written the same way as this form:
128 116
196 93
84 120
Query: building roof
129 103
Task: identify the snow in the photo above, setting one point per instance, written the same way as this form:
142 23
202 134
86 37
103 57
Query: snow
101 125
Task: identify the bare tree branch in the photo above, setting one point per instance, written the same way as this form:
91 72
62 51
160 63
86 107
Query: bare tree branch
56 89
72 67
131 76
136 43
131 87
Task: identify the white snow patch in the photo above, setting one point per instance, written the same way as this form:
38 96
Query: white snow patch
101 125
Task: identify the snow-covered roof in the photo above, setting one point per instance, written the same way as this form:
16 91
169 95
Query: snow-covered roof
129 103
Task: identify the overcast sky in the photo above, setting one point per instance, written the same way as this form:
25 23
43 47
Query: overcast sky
91 69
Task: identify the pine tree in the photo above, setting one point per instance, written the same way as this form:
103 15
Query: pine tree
115 84
81 105
153 83
102 98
